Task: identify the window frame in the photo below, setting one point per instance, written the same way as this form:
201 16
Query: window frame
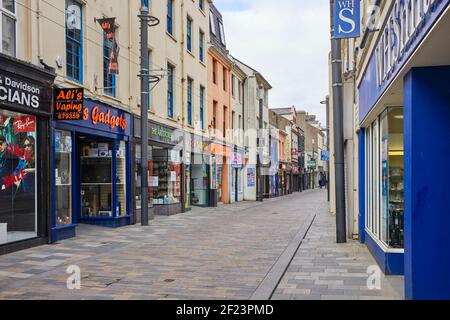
189 36
13 16
212 24
201 45
170 90
109 86
80 44
190 88
202 107
169 17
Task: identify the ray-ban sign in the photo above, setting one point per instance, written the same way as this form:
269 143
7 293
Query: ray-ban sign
347 15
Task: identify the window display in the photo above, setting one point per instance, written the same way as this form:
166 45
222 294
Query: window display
385 178
152 182
168 174
96 179
17 177
63 177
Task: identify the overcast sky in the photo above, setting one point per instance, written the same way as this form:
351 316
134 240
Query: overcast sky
288 42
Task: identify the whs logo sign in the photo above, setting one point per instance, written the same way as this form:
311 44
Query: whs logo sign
347 17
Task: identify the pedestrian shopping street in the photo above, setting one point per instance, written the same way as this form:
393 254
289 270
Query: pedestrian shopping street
238 251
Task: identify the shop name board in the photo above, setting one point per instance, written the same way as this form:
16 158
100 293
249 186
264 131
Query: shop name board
405 21
161 132
347 16
68 104
18 92
389 61
103 117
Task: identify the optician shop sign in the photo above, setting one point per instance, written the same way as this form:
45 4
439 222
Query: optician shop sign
15 91
405 27
347 17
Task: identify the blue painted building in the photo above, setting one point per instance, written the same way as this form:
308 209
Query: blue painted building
404 116
91 169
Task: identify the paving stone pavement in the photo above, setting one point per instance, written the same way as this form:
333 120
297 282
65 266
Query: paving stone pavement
324 270
223 253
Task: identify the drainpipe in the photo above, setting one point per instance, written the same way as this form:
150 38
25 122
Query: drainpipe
39 27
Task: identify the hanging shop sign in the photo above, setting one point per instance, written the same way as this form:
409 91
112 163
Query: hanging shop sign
109 28
347 17
325 155
103 117
405 27
15 91
312 164
68 104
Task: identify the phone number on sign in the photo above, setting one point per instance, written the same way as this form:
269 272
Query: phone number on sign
68 116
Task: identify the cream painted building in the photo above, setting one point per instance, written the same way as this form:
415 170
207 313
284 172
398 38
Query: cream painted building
252 93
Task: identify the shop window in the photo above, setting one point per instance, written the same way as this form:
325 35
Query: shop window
74 41
63 177
18 177
393 178
8 22
109 79
166 175
98 161
138 176
385 178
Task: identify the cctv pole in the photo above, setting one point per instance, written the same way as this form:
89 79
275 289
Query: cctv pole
145 79
336 65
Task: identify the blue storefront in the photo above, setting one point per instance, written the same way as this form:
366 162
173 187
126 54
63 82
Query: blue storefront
404 104
91 169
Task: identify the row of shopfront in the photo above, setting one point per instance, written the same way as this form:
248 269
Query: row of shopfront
67 159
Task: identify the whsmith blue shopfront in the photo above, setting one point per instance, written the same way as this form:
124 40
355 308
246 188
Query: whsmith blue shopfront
91 168
404 101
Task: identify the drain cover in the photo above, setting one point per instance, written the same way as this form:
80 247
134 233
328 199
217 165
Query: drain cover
169 280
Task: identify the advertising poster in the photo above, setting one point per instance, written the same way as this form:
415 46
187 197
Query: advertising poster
251 177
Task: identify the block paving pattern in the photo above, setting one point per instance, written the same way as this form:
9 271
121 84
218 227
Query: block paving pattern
222 253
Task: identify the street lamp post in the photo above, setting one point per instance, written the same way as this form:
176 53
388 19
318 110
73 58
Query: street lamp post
327 173
259 143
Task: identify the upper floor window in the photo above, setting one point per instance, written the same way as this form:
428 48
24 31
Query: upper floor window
170 16
214 70
8 27
145 3
224 79
201 5
74 41
212 24
202 46
170 85
189 34
109 79
189 100
222 34
232 85
202 107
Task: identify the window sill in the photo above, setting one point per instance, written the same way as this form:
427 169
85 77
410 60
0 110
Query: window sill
202 63
190 53
171 36
172 120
